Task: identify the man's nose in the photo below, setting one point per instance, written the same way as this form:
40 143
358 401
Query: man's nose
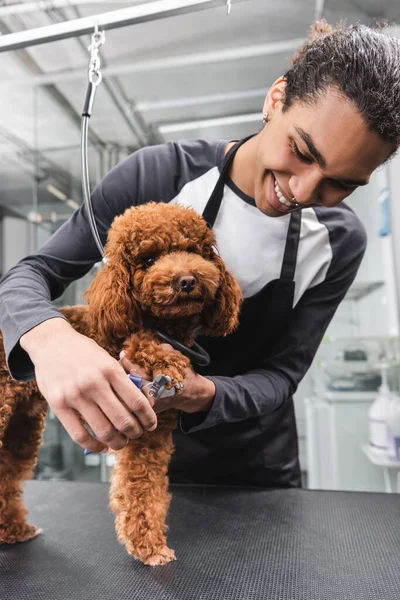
306 187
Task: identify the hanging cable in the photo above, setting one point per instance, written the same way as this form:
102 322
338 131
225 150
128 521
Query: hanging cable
95 77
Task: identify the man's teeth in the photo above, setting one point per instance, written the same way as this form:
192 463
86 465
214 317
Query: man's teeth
282 198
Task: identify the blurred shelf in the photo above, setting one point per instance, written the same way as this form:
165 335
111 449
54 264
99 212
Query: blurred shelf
360 290
381 460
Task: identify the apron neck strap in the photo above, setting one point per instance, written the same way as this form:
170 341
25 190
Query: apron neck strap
214 203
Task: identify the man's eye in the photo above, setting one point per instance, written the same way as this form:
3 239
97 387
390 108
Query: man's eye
149 261
299 155
344 186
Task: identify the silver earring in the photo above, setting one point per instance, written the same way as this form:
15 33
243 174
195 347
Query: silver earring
265 117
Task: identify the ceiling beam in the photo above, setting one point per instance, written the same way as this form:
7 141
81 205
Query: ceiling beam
169 62
109 20
187 102
16 8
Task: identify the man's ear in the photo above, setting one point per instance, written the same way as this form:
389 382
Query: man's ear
275 97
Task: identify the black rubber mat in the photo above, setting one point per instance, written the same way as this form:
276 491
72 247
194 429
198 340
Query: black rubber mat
230 544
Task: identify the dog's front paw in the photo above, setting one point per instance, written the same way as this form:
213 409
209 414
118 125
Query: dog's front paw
161 557
176 374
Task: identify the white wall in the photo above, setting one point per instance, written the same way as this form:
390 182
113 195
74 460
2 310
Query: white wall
16 241
377 313
394 186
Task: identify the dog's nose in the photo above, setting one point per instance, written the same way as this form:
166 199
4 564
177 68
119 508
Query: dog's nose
186 283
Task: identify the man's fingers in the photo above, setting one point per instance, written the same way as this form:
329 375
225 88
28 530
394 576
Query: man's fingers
104 428
135 370
135 400
73 425
132 368
120 416
126 364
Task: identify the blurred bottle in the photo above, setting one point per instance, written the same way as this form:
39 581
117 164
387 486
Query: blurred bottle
393 427
378 414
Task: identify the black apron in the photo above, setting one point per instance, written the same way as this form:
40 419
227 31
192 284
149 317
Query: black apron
261 451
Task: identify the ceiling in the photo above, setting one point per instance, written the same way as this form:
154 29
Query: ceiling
201 74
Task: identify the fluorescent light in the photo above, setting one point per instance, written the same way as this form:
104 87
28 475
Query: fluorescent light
56 192
197 100
61 196
72 204
51 217
217 122
34 217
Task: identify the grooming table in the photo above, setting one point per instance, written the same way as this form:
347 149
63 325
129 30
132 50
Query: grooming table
231 544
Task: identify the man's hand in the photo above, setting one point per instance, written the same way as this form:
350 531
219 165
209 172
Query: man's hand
196 396
81 381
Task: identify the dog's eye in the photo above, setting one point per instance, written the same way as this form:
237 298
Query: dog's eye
149 261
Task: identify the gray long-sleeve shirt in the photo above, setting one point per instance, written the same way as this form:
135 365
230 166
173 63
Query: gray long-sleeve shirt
332 243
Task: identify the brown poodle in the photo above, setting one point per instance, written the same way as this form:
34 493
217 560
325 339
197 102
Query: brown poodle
152 251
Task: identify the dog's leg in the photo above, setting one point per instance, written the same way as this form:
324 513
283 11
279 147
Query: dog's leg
21 426
139 494
150 356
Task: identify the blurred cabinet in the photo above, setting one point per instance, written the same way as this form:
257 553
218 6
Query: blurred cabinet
337 427
345 384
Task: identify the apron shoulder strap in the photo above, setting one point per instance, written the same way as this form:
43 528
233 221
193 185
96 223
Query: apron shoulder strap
291 247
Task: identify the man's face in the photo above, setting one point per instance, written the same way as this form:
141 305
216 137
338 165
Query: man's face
317 154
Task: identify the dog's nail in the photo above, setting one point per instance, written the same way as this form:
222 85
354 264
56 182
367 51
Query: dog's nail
122 354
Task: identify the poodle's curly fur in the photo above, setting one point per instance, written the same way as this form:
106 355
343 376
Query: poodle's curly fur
151 251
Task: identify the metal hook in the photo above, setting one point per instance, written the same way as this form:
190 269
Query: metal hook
98 38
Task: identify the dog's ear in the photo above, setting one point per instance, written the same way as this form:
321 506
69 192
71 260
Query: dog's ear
221 316
113 311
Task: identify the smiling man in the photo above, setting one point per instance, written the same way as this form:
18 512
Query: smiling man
275 203
315 154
